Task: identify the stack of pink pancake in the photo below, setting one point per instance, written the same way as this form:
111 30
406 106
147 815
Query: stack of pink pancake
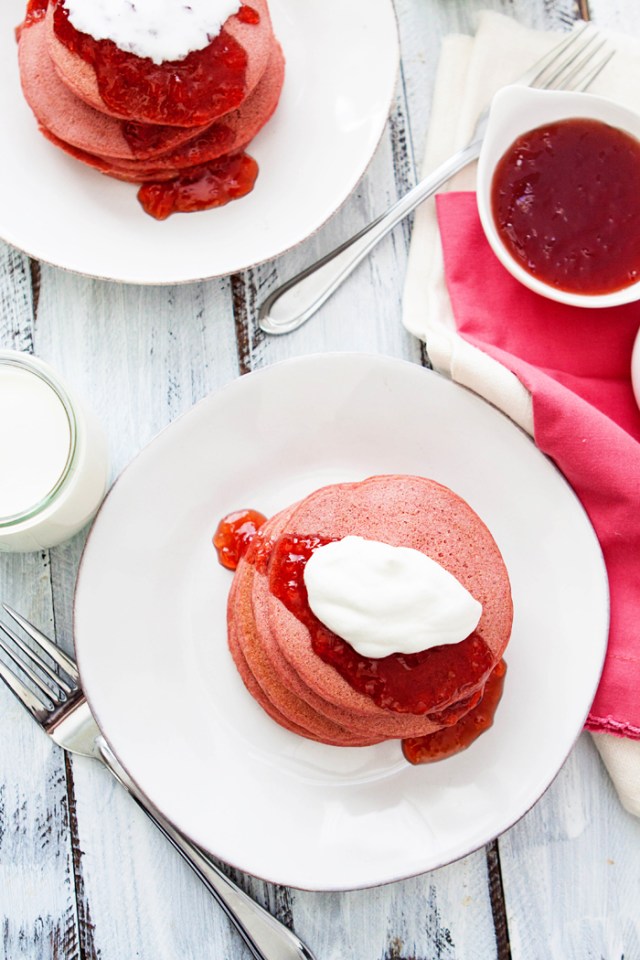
135 145
272 645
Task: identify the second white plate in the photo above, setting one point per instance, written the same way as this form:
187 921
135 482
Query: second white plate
151 634
342 61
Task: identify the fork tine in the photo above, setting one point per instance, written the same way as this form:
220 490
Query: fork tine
566 62
571 65
32 657
589 77
56 654
568 70
29 701
26 669
537 70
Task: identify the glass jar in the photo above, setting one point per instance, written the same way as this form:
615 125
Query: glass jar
53 457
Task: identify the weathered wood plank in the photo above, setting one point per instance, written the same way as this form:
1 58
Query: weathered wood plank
441 915
616 15
570 869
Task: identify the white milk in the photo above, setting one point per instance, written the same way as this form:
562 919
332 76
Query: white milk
53 460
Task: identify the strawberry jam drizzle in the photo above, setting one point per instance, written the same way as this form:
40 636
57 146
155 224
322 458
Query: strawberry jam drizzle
36 11
247 14
430 682
216 139
144 138
233 535
200 188
189 92
451 740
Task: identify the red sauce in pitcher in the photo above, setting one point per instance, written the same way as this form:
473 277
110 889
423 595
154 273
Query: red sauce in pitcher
566 203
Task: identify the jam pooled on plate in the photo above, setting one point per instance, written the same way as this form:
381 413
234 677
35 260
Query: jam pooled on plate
233 535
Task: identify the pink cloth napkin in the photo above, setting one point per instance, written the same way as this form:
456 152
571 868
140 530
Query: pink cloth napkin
576 365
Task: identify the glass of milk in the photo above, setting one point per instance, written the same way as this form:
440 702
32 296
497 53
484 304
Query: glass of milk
53 457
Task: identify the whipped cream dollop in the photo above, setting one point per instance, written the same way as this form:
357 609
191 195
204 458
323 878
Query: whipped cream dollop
159 29
383 599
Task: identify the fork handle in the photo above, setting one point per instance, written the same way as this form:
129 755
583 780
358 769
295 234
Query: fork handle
266 937
293 303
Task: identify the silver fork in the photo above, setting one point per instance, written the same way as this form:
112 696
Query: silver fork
61 709
573 64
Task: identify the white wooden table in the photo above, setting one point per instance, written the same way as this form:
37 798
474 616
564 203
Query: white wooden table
83 875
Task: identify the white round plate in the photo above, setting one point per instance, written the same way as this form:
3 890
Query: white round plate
342 61
151 635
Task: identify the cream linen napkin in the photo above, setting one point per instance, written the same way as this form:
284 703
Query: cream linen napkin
470 71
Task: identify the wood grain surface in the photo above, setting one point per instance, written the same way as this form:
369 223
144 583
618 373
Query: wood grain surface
83 875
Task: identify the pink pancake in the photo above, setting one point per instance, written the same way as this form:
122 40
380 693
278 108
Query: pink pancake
254 668
273 649
80 78
228 135
281 682
254 687
381 725
70 119
278 700
402 511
